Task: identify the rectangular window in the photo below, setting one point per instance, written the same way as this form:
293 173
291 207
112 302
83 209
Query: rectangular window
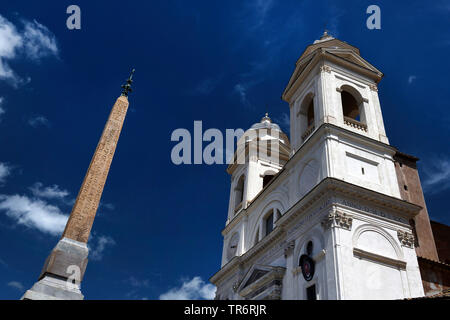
269 224
311 293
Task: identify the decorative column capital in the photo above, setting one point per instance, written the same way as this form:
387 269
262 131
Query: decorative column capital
337 219
325 68
406 238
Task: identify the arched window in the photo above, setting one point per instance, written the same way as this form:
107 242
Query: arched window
268 176
266 179
306 116
350 106
268 223
310 113
239 193
353 108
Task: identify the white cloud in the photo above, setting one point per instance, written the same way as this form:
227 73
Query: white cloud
39 121
411 78
16 285
10 42
34 42
2 110
334 18
194 289
38 41
437 176
3 263
137 283
256 12
241 89
97 246
5 170
51 192
34 213
283 121
108 206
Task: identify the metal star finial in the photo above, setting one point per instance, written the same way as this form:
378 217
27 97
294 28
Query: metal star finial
127 87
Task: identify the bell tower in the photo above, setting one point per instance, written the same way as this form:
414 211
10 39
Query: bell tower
333 84
331 223
261 153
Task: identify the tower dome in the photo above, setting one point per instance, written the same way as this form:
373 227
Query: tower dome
266 130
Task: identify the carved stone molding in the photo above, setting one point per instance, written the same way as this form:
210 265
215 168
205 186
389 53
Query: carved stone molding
406 238
325 69
343 220
338 219
373 87
289 248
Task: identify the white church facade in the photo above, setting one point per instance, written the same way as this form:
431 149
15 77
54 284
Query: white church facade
324 217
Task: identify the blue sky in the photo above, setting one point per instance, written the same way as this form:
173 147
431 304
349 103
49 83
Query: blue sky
157 233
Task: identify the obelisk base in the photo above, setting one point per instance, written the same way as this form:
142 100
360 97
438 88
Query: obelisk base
62 273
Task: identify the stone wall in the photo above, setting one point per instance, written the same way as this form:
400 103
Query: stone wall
411 191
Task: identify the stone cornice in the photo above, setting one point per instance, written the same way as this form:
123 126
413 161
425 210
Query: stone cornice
337 187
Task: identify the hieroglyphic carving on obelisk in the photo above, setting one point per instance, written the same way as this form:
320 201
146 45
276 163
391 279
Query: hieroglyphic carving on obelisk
69 258
83 213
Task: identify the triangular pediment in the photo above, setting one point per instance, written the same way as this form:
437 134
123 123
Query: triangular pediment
352 57
257 274
340 55
254 273
260 278
333 43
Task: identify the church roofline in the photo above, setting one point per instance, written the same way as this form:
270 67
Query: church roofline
321 55
323 44
407 156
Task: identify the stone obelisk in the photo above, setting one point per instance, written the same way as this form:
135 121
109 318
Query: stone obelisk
64 268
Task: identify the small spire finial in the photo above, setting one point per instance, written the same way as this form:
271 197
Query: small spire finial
127 87
325 34
266 118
